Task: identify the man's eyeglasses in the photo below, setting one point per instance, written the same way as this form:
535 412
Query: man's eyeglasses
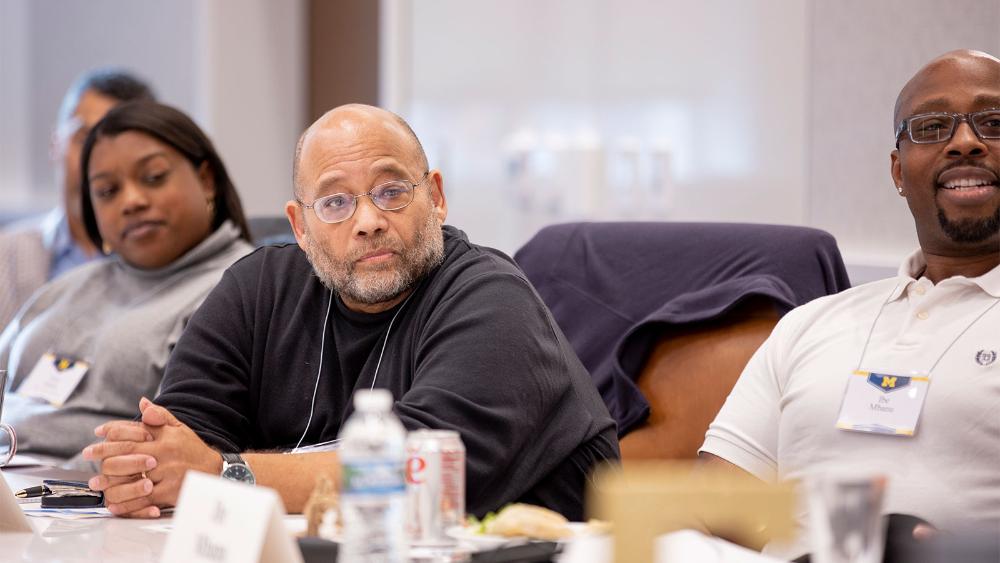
390 196
929 128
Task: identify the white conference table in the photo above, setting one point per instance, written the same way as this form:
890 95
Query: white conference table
122 540
108 539
94 539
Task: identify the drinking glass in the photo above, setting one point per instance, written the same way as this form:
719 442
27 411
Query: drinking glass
8 438
845 518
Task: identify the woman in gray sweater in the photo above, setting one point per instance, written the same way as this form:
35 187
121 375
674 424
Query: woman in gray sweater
158 200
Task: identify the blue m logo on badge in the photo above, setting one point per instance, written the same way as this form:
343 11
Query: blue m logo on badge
887 383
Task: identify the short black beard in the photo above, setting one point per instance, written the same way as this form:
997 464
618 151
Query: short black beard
970 230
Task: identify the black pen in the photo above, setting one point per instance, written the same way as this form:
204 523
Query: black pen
33 492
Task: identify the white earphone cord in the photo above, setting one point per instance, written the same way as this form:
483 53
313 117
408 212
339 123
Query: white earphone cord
319 371
386 341
322 345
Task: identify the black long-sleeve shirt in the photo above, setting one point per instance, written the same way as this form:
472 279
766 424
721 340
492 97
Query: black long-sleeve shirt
472 350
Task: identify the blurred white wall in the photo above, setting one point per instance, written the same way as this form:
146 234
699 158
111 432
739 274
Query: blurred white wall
538 111
757 110
861 54
634 109
15 142
237 66
252 93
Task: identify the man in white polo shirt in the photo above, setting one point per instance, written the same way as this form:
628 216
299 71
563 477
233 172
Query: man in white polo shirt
900 377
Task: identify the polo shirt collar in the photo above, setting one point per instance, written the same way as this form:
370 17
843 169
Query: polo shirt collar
915 264
990 282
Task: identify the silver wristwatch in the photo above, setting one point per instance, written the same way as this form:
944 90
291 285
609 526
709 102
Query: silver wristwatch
235 469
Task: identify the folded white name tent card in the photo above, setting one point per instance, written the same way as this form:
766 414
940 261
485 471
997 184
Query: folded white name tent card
222 521
12 518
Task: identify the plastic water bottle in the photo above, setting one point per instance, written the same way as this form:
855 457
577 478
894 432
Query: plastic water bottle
373 486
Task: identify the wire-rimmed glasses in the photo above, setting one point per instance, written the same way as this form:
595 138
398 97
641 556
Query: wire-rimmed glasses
939 127
390 196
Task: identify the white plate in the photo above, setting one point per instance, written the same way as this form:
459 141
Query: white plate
469 536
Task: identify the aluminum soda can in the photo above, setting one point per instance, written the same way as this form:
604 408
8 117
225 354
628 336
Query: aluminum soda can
435 485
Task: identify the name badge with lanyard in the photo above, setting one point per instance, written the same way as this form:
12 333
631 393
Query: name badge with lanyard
883 403
53 379
888 402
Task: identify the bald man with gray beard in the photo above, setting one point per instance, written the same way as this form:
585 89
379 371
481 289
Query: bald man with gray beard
378 293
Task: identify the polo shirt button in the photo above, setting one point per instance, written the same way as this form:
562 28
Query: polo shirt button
920 290
922 315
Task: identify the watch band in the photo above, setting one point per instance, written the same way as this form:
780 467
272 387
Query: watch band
231 459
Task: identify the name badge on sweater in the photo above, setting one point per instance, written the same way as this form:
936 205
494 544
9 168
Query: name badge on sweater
883 403
53 379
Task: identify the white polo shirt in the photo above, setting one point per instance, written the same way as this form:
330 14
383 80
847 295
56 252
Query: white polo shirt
779 421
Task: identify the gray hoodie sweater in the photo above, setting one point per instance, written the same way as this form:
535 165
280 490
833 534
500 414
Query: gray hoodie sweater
123 321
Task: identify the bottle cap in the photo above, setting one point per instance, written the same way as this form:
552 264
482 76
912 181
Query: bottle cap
375 400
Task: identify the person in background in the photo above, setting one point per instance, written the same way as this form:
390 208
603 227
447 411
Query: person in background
40 249
899 377
156 196
378 293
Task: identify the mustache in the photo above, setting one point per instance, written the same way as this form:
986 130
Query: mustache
382 242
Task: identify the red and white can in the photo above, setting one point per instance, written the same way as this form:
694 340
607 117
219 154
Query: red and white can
435 485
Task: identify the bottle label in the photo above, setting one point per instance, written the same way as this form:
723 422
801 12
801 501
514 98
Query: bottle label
373 477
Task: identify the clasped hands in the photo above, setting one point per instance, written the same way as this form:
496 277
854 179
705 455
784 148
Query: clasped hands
143 463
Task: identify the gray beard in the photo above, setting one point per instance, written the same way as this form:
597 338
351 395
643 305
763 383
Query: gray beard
385 283
970 230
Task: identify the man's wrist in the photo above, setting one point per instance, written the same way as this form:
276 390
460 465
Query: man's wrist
217 463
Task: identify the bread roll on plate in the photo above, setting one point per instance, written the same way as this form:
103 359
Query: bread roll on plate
529 521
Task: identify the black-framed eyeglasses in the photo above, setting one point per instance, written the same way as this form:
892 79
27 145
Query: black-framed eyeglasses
939 127
390 196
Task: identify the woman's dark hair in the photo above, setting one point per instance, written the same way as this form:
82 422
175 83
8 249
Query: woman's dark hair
172 127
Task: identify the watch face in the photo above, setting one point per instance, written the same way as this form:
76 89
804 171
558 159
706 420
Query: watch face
239 472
